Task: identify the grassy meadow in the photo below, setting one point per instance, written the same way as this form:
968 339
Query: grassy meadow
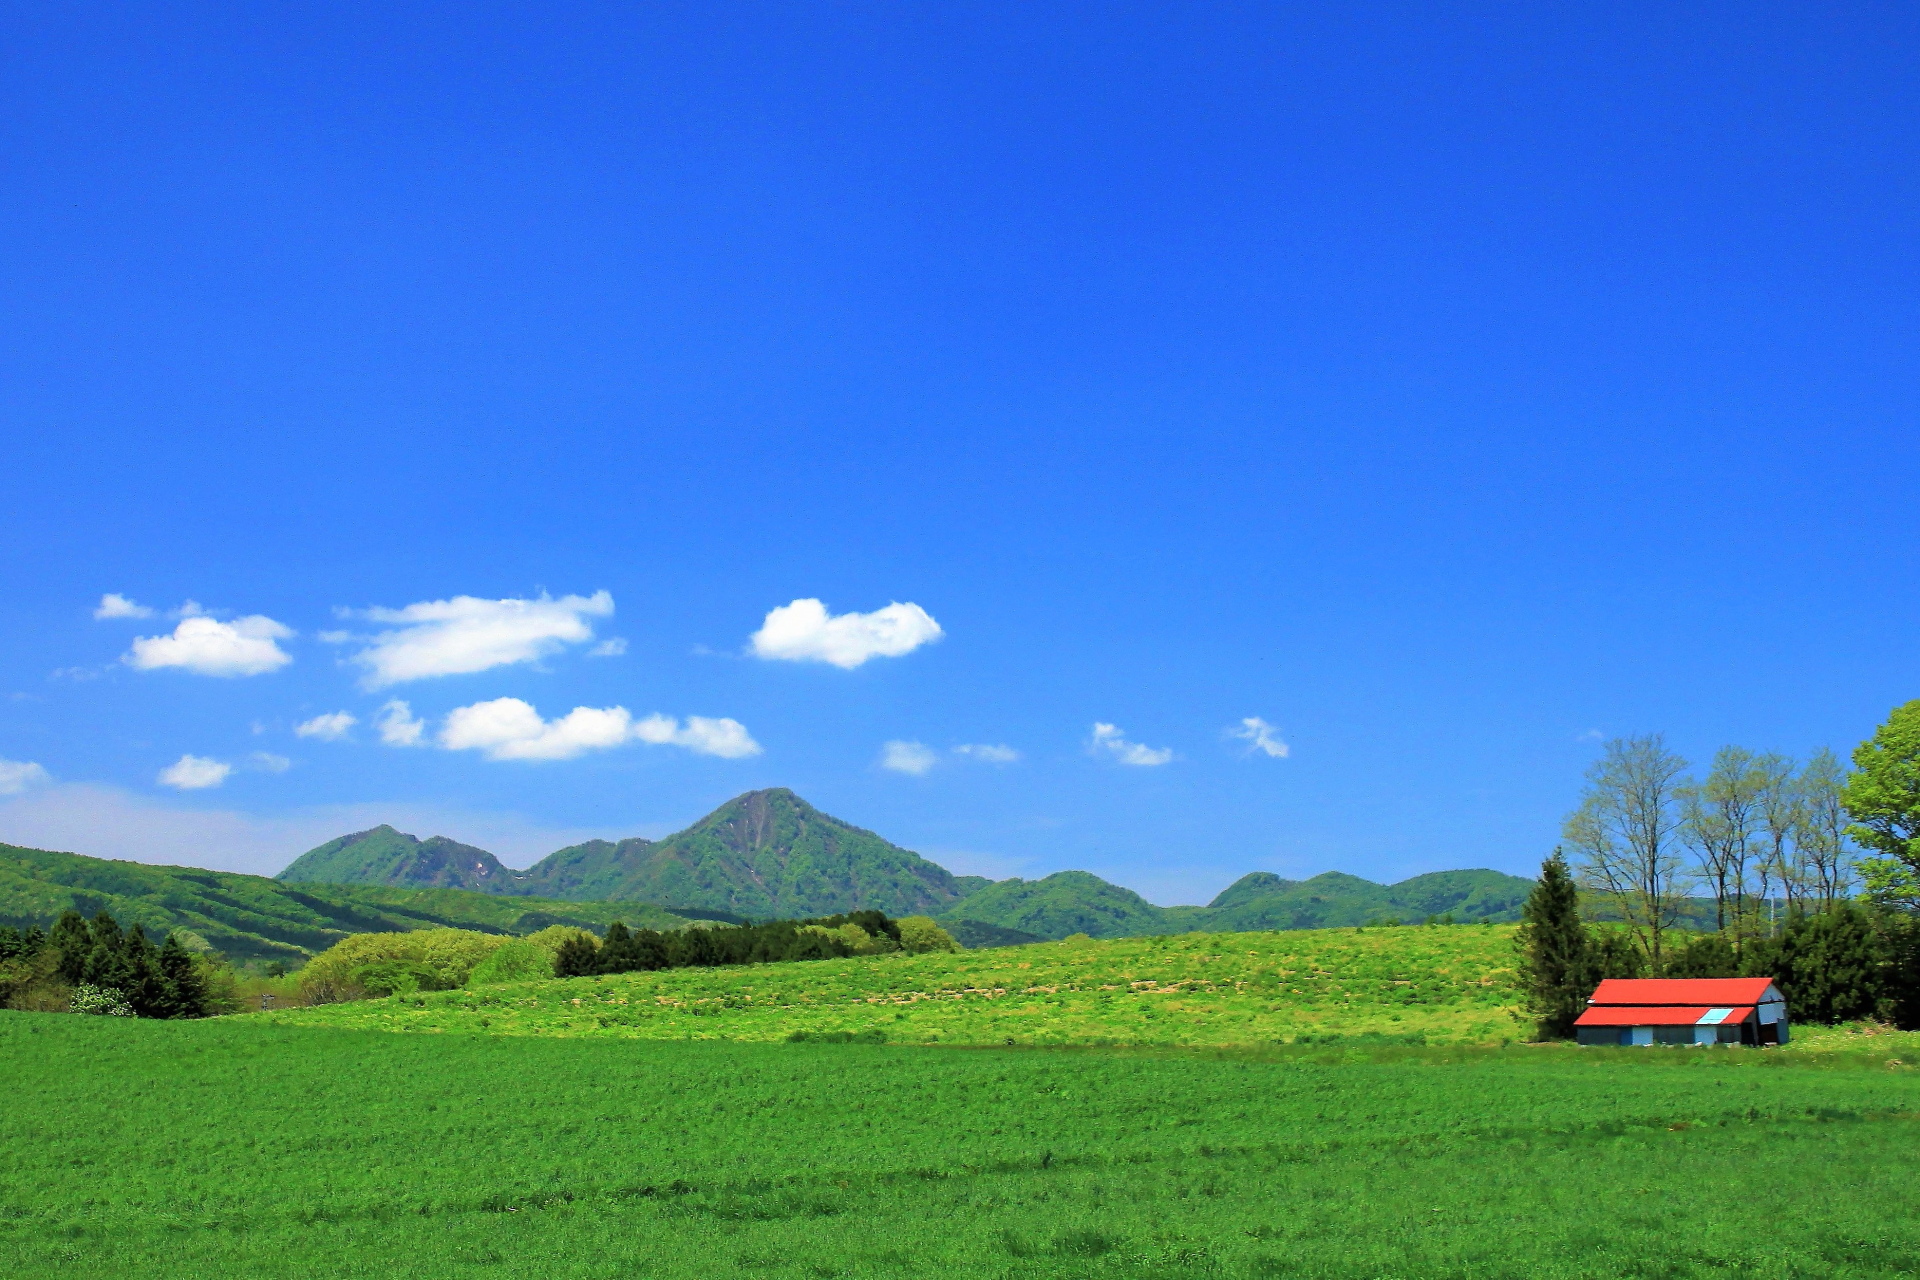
1441 983
238 1147
1225 1105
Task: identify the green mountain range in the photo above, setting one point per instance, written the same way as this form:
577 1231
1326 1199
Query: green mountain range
770 853
763 854
253 917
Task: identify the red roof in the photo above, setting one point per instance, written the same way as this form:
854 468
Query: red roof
1696 991
1662 1015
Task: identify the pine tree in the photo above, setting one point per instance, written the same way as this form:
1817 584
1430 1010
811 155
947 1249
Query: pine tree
184 995
144 988
616 949
1557 975
576 957
72 939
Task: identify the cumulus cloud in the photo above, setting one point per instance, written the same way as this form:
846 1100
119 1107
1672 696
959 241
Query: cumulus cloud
330 727
209 647
194 773
915 758
991 752
1108 738
20 776
399 727
468 634
1260 736
804 632
708 736
113 605
612 647
509 729
268 762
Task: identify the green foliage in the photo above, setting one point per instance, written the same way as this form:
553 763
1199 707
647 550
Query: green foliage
258 919
919 935
1557 963
96 967
1882 795
101 1001
1832 966
1704 955
382 964
238 1148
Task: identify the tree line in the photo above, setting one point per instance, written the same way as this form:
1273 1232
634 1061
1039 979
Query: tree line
1811 873
777 941
95 966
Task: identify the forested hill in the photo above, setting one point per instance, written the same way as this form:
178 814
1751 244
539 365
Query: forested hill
386 856
1070 902
770 853
763 854
255 917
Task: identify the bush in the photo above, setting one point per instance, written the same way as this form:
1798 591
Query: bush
107 1002
384 963
919 934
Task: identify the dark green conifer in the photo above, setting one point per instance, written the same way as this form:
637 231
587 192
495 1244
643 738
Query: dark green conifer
1557 960
616 949
576 957
74 941
183 994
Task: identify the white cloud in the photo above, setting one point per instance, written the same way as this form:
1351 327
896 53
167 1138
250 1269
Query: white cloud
267 762
991 752
613 647
804 632
509 729
1108 738
113 605
20 776
209 647
194 773
468 634
330 727
723 736
399 727
915 758
1260 736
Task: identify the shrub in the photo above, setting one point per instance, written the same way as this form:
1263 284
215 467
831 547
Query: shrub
384 963
919 934
101 1001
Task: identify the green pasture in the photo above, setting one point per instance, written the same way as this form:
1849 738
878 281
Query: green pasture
240 1148
1440 983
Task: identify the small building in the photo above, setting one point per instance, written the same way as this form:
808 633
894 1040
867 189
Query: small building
1684 1011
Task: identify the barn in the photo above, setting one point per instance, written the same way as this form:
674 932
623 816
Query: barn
1684 1011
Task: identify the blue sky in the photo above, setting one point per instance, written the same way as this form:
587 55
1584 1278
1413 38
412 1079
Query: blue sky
1446 390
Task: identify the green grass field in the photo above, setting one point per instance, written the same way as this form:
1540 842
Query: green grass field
1448 984
241 1148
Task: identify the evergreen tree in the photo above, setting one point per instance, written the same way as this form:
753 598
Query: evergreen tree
74 941
577 956
144 988
183 993
1832 966
1616 956
1558 963
616 949
1705 955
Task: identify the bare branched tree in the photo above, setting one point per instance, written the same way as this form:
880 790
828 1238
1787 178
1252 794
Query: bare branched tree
1822 835
1779 806
1719 818
1626 832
